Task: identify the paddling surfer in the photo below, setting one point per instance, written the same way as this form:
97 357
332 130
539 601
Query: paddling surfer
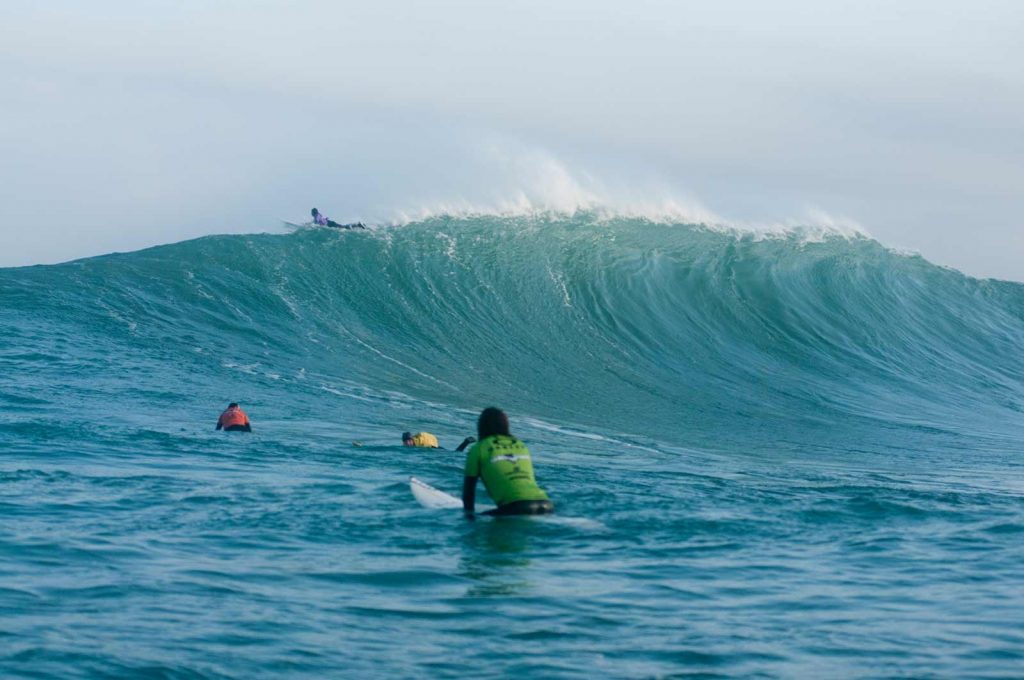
504 463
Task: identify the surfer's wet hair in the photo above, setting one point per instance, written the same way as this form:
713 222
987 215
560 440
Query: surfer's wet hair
492 421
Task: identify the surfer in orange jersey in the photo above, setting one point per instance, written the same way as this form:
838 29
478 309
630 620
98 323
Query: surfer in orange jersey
234 419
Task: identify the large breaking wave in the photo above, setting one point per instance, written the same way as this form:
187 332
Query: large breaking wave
676 332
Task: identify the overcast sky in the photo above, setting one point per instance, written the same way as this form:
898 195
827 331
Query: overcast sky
127 124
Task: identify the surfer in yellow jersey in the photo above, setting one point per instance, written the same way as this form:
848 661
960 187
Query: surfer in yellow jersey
420 439
429 441
507 470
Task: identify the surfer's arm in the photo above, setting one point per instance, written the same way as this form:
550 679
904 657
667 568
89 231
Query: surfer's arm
220 423
465 442
468 495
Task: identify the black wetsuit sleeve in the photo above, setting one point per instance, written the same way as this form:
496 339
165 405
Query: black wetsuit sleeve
465 442
469 495
219 424
248 427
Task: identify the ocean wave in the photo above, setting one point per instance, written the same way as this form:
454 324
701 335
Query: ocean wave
704 334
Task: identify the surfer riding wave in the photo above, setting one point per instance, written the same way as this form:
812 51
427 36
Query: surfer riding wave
321 220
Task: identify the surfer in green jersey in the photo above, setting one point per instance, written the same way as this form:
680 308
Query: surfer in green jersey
504 463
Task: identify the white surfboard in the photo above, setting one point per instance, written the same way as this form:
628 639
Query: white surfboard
435 499
429 497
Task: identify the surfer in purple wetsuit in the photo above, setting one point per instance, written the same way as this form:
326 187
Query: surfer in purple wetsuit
322 220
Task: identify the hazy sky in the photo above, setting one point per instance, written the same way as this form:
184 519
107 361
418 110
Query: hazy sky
126 124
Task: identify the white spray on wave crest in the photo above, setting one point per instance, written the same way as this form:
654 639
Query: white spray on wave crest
535 183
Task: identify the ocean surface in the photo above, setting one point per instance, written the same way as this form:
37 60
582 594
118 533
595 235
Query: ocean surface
788 455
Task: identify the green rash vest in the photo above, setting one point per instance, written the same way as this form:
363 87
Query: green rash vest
504 463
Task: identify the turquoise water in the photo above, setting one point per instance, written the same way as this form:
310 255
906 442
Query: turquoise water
787 456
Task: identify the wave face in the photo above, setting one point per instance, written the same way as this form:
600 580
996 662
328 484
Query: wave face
759 397
672 332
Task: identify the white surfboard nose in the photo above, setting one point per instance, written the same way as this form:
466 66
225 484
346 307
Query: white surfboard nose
429 497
